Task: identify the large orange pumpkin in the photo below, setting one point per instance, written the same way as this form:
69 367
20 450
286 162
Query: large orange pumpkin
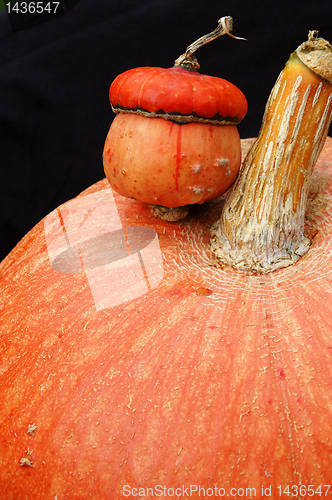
132 367
174 141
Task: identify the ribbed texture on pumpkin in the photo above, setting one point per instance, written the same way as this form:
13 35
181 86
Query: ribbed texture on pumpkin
176 94
176 387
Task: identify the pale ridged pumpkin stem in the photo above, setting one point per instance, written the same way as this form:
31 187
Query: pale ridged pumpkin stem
188 59
262 225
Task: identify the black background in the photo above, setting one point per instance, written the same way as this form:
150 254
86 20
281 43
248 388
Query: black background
54 81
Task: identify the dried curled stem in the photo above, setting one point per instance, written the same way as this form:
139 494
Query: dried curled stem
188 59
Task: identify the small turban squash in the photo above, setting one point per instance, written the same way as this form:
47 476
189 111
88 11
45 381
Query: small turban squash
174 140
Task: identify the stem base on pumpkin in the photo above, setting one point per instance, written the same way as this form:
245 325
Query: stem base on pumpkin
262 225
257 260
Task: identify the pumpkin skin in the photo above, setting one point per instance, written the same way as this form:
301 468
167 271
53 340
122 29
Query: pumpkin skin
183 164
210 377
170 123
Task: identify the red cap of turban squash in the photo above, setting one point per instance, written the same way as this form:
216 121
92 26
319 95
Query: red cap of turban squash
178 94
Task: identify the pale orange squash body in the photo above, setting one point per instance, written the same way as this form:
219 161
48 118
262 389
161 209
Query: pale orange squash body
160 162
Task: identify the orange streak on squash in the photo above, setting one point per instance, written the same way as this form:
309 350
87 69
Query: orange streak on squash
178 158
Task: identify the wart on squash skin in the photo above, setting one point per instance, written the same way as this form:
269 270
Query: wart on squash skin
196 168
31 429
223 163
27 460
